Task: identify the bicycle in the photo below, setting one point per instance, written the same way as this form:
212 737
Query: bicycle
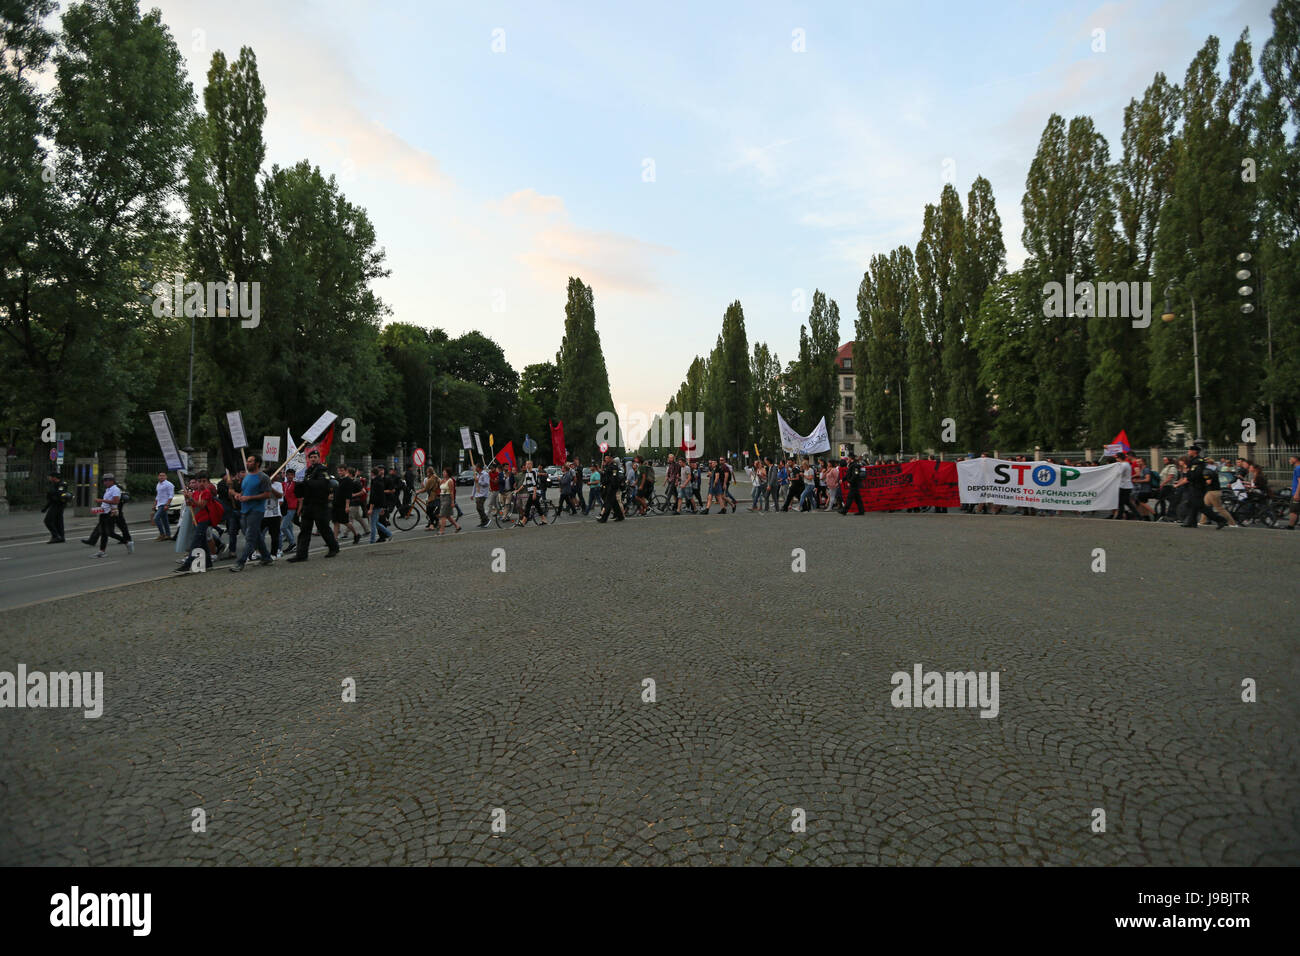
404 519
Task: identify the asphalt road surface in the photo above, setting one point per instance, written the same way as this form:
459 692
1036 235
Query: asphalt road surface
504 717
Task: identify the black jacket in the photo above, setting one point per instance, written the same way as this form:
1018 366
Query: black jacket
314 488
54 497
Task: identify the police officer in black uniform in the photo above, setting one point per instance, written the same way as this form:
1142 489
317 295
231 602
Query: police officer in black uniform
55 502
612 482
314 507
855 482
1198 483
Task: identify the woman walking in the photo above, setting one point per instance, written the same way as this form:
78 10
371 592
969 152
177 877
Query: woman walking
447 501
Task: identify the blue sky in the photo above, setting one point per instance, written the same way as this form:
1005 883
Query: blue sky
492 176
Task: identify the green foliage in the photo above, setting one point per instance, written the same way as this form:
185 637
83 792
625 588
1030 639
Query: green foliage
584 382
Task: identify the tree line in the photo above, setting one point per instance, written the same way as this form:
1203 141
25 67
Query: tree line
1207 170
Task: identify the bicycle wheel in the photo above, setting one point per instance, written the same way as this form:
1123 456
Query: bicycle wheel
406 519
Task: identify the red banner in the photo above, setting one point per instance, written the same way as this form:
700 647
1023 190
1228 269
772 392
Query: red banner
909 484
559 454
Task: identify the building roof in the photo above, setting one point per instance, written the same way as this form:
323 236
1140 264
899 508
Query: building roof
845 351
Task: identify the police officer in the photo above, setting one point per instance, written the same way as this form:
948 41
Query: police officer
55 502
313 492
1197 482
612 482
855 482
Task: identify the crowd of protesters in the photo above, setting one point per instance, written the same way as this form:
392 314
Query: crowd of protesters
278 514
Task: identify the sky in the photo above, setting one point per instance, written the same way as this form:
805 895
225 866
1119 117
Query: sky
676 157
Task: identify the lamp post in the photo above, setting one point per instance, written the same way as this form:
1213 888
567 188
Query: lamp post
900 418
1247 308
1168 316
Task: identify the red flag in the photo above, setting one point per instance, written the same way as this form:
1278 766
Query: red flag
323 446
558 452
1122 440
506 456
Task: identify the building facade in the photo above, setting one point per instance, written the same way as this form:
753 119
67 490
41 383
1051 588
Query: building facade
843 431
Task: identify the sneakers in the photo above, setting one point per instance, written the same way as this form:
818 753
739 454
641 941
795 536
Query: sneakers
130 547
100 554
332 554
236 568
267 563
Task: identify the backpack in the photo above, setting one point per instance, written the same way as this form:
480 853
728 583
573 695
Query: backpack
216 511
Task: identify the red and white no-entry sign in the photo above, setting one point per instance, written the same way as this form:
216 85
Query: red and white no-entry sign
417 458
604 447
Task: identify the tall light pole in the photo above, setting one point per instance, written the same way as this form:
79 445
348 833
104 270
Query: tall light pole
1196 359
900 417
1246 308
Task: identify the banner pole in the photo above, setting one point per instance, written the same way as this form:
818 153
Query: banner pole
290 458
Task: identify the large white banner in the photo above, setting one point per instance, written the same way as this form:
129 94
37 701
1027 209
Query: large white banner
1039 484
797 444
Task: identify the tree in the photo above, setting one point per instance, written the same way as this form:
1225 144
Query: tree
1277 267
819 343
936 273
1001 338
765 373
880 363
584 382
1206 221
979 261
1063 193
89 176
226 240
1116 392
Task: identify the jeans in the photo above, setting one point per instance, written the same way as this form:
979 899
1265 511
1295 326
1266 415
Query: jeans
198 542
232 525
594 498
287 539
160 519
479 505
251 522
377 527
809 496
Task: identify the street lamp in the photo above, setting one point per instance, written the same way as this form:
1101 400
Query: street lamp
1247 308
1168 316
900 418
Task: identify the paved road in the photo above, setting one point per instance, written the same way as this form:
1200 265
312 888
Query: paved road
522 691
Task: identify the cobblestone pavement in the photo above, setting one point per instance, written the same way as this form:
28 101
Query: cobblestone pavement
523 691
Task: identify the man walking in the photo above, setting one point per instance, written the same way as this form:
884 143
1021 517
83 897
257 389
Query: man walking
290 508
1197 484
612 480
313 501
55 502
252 495
107 511
482 488
375 507
162 500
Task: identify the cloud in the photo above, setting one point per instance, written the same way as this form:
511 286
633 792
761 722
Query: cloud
557 249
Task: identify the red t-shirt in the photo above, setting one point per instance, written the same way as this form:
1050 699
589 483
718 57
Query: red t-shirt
201 498
290 496
494 480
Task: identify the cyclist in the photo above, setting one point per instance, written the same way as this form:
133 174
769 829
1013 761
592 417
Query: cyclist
529 488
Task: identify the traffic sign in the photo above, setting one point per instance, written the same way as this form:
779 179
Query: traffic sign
417 458
530 446
54 454
604 447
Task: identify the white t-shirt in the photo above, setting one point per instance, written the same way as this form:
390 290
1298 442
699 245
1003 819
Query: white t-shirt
110 497
163 493
273 503
1125 475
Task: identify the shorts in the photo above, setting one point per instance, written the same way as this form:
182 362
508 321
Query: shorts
1295 507
716 488
444 506
355 512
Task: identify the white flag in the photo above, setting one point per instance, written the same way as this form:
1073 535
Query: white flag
298 463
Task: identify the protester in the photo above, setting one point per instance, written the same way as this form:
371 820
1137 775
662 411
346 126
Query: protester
290 508
56 499
200 499
313 492
610 486
375 506
252 495
107 510
447 501
162 501
594 496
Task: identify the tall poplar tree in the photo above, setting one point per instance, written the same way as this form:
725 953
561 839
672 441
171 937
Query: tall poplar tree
1206 221
584 381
